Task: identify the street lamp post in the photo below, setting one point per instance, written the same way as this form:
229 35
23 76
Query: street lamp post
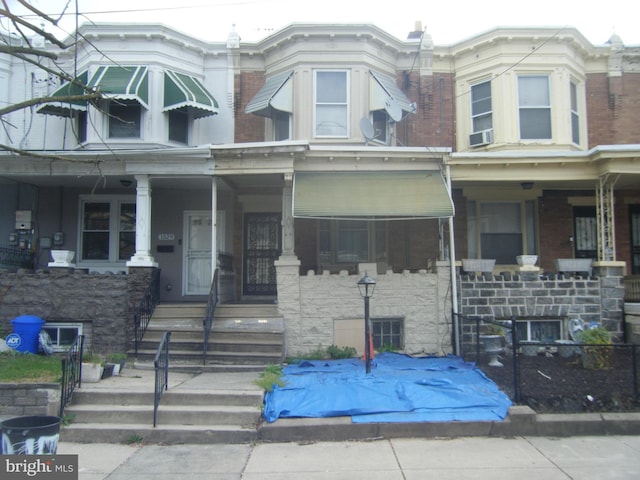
367 285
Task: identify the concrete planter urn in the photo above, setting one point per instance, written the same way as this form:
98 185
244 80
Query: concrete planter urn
493 346
62 258
527 260
570 265
484 265
91 372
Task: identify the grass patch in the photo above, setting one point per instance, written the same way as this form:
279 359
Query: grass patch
17 367
271 376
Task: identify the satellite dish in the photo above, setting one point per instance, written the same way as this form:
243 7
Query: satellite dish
393 109
366 127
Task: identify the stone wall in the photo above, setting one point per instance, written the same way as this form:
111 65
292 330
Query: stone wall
103 302
311 304
21 399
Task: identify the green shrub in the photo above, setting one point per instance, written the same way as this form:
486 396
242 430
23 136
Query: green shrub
600 356
336 352
271 376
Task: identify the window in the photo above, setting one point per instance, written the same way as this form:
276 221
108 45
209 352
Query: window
541 330
575 118
107 230
331 104
481 113
351 241
380 121
281 125
501 231
124 119
387 333
81 127
534 103
62 334
179 126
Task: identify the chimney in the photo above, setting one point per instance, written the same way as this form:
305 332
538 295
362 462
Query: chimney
417 32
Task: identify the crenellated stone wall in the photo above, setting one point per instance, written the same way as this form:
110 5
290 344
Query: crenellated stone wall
312 304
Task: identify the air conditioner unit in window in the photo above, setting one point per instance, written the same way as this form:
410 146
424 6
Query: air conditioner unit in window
483 137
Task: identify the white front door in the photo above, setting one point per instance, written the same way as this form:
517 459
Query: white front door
197 253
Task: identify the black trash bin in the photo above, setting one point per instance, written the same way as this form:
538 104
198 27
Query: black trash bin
33 435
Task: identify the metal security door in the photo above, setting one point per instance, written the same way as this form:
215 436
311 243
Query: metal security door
585 232
197 261
634 213
261 250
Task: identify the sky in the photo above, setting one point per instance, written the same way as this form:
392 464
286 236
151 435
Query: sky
447 21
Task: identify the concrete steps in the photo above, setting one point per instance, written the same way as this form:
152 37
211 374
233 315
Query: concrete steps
183 417
249 336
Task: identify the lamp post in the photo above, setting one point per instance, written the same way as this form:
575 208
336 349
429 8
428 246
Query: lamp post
367 285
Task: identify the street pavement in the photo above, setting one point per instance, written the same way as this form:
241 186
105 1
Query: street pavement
522 458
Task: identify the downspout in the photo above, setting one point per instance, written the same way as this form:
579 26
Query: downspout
454 278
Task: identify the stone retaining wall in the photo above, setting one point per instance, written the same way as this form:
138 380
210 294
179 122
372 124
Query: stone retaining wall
23 399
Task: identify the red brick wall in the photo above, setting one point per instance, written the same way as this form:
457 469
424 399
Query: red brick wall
556 227
248 127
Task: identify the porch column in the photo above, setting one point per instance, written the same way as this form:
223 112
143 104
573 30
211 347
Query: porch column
214 226
288 238
143 257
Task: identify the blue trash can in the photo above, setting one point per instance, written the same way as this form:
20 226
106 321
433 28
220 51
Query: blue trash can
28 328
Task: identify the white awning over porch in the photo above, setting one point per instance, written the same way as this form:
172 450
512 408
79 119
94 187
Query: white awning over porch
371 195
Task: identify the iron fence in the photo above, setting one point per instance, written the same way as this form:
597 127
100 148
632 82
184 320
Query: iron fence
565 368
13 257
161 365
144 311
210 313
71 372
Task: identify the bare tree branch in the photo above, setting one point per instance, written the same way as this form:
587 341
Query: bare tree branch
44 156
17 21
11 50
40 100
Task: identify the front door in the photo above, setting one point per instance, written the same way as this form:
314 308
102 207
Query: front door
634 214
261 250
197 253
585 232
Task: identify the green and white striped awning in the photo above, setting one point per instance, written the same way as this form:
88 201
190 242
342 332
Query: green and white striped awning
122 83
373 195
186 92
66 108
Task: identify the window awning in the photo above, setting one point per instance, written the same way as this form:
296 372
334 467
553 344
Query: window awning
66 108
384 94
276 94
371 195
123 83
185 91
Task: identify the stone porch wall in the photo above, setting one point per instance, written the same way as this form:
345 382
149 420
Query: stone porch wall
103 302
597 298
311 305
23 399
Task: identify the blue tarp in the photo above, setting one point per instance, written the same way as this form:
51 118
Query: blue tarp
400 388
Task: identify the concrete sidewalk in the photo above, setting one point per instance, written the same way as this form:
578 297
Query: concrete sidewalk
586 457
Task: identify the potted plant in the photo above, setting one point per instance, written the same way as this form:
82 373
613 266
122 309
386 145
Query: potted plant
119 360
596 352
92 368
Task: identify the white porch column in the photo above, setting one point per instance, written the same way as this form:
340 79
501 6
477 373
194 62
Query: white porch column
214 226
143 257
288 237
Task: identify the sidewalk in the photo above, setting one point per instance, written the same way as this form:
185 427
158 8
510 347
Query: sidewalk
459 458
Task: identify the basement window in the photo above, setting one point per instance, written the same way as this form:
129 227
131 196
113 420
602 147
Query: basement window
544 330
62 334
388 333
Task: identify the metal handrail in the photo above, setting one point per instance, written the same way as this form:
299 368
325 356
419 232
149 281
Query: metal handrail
209 314
71 371
161 365
142 314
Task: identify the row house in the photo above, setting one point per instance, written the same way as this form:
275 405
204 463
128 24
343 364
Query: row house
295 165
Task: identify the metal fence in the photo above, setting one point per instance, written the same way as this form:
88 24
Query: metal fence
71 372
144 311
12 258
568 370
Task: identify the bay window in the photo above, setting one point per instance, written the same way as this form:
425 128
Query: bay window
331 103
534 102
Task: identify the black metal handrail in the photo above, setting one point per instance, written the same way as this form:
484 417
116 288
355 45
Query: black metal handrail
142 314
209 314
161 365
71 372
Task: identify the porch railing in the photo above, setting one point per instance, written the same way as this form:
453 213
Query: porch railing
71 371
632 288
161 365
144 311
209 314
15 257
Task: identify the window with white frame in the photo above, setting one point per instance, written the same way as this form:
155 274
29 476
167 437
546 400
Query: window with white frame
575 117
380 122
124 119
281 125
534 103
62 334
108 229
501 230
331 110
544 330
351 241
481 108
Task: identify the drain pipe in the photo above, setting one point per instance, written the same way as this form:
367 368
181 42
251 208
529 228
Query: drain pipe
454 278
